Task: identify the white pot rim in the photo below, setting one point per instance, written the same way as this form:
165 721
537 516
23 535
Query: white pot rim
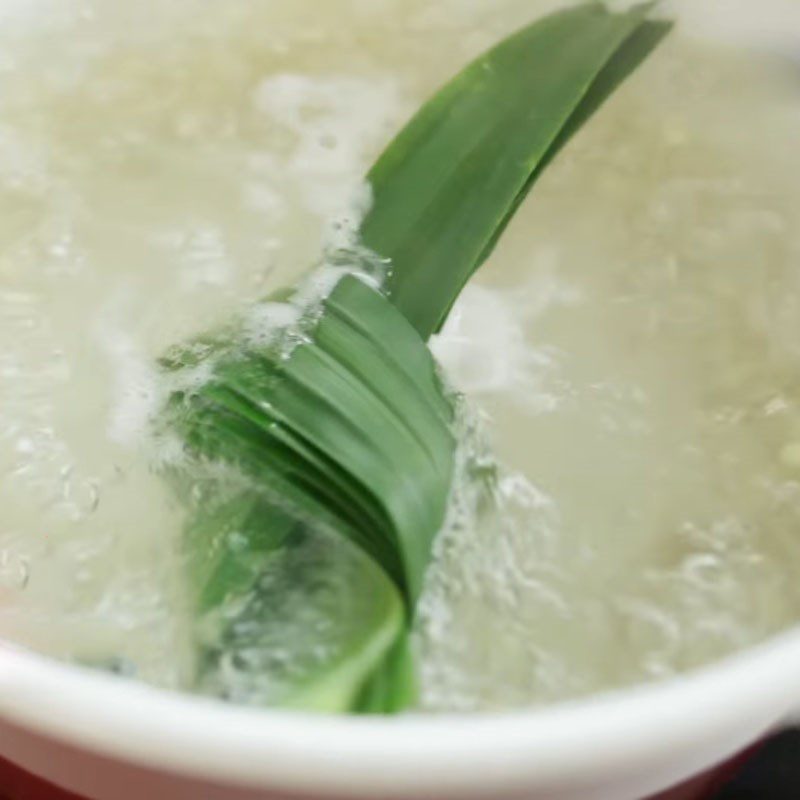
586 740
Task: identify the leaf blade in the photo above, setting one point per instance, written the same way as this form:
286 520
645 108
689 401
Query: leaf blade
351 430
449 181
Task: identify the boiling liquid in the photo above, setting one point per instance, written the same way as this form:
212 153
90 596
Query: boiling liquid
633 344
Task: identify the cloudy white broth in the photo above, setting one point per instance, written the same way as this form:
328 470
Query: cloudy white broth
631 351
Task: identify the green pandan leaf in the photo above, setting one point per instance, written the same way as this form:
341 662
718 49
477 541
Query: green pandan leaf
255 644
320 462
447 185
347 434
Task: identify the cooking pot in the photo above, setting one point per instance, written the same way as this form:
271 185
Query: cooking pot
110 738
114 739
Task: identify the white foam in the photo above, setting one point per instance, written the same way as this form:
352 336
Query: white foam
135 380
485 346
336 121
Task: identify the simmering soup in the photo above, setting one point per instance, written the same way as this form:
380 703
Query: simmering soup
631 351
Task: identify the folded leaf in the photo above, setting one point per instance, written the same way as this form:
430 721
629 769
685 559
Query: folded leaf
319 461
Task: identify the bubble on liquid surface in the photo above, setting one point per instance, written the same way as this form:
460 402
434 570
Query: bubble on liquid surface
14 571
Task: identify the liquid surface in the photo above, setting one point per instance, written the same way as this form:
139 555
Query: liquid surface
633 345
